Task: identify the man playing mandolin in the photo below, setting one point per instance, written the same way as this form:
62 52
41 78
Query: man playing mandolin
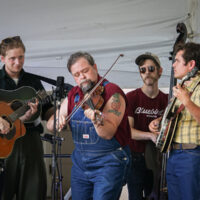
24 173
183 165
101 156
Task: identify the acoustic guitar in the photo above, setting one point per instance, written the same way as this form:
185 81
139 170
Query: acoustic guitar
13 105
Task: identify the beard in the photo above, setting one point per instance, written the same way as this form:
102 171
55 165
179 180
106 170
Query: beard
150 80
87 85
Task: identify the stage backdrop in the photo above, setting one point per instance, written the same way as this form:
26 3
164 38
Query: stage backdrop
53 29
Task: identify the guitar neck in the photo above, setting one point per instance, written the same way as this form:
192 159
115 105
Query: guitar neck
171 104
19 112
18 101
172 101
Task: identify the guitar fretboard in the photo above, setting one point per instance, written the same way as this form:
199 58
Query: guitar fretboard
18 113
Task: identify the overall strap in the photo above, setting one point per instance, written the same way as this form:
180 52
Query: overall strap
105 83
76 99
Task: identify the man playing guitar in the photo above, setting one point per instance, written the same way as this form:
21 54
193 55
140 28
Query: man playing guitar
183 165
24 171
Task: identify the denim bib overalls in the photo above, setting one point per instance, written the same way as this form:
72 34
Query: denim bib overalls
99 166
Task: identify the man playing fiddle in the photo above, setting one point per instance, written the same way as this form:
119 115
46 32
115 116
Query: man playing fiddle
101 156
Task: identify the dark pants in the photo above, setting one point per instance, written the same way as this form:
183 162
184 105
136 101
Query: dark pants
153 162
1 182
25 174
136 178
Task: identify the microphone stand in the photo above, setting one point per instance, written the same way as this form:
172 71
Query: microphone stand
60 177
54 158
58 93
57 184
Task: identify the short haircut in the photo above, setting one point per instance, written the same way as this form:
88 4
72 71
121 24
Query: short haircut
76 56
191 51
11 43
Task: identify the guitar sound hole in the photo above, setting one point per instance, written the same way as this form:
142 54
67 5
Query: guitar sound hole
16 104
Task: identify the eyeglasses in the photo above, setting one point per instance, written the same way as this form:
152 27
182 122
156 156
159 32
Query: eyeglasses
150 69
10 39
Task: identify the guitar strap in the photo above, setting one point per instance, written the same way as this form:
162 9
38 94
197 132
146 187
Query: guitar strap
67 86
181 107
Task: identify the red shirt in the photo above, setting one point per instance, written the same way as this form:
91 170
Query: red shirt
144 109
122 134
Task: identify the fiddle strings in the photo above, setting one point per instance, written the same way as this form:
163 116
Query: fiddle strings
91 91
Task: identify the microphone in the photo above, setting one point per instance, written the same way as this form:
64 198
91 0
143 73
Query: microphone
60 88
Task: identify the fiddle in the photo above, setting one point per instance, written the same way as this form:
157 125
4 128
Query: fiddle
95 102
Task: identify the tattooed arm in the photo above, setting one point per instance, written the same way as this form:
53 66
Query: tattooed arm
113 113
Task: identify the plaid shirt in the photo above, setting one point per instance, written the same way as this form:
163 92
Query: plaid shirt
188 129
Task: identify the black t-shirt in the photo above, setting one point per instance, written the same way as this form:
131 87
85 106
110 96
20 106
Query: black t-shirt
25 79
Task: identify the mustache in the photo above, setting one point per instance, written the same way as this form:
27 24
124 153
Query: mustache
83 81
86 87
149 77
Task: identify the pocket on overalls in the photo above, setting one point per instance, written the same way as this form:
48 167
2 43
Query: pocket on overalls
83 132
121 156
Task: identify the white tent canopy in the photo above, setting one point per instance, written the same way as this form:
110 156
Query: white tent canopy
53 29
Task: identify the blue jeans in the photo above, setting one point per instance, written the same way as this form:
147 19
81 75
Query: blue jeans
136 178
183 174
98 176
